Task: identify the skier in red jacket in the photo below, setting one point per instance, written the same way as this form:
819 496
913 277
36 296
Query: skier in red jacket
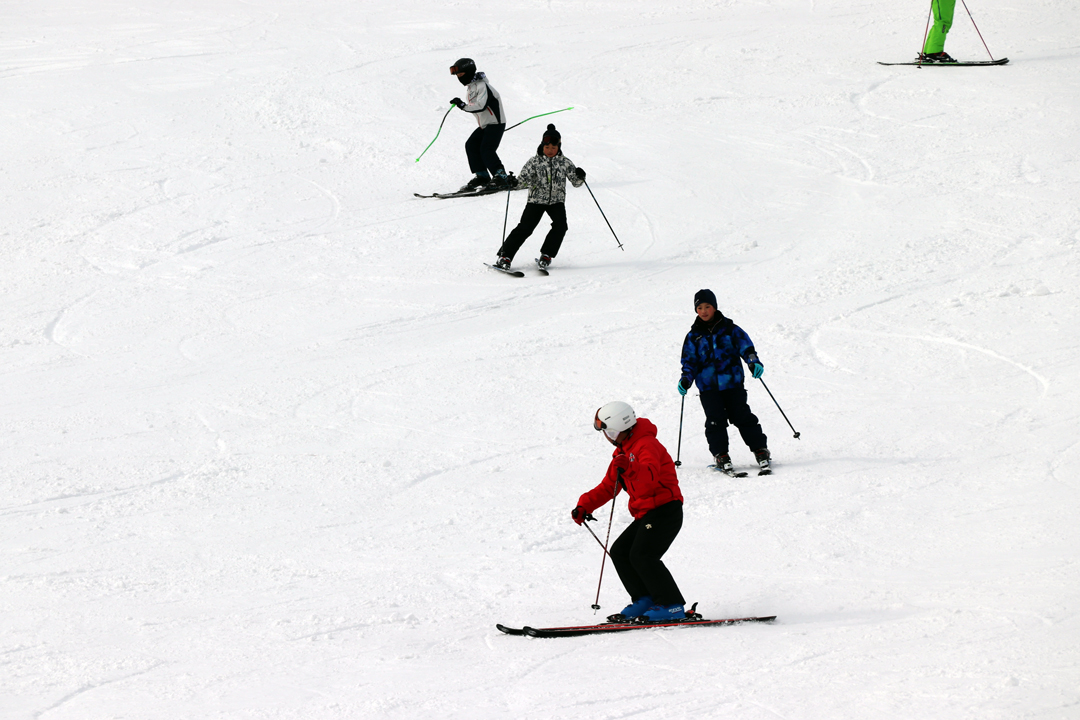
643 468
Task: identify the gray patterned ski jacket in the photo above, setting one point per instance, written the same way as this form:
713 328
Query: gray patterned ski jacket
546 177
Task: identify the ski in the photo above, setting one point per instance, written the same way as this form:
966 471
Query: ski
970 63
765 471
515 273
613 627
485 190
443 195
730 472
460 193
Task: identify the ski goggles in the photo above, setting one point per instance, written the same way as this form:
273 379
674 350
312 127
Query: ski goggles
600 426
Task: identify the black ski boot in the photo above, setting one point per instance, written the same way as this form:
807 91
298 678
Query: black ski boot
476 183
938 57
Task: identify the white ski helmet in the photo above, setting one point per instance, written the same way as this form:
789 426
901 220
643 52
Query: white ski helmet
613 418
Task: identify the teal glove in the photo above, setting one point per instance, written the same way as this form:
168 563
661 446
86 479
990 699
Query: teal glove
684 388
756 368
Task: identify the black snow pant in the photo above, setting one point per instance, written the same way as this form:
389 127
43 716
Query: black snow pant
530 218
481 148
723 406
636 555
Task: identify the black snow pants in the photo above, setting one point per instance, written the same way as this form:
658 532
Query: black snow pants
636 555
481 148
722 406
530 218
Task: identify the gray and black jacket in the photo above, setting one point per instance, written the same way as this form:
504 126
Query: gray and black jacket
546 177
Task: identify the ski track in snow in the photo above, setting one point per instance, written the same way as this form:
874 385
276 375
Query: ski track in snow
276 444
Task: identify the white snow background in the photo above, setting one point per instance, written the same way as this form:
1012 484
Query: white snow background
275 443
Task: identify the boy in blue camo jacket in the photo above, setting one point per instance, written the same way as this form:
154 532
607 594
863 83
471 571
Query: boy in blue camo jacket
711 357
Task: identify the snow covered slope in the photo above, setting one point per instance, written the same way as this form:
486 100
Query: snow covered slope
277 445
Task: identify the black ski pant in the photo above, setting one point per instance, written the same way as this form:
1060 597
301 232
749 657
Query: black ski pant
723 406
636 555
481 148
530 218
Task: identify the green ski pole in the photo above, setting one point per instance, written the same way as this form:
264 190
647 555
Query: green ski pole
436 134
536 116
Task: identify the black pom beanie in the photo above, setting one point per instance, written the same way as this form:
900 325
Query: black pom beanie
551 136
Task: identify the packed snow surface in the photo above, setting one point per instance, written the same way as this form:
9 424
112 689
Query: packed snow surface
276 444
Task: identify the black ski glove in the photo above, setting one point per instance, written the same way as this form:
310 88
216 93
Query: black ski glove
457 102
580 515
581 173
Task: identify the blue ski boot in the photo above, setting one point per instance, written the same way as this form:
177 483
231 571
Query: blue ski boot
661 613
633 610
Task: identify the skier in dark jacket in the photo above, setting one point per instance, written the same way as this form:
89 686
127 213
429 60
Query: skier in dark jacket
546 174
642 467
711 357
481 148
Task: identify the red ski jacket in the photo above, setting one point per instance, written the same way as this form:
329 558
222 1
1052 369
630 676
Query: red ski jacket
650 481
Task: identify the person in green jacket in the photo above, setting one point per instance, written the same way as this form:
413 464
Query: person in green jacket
934 49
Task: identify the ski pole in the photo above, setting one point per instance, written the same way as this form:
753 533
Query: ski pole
536 116
509 189
780 409
926 33
678 450
977 30
602 213
618 479
436 134
586 525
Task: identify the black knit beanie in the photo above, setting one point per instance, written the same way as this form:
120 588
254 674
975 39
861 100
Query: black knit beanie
704 296
551 136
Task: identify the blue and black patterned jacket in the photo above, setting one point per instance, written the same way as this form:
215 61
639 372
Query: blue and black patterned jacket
711 354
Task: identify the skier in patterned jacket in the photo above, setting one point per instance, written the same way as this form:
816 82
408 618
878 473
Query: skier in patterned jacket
711 357
546 174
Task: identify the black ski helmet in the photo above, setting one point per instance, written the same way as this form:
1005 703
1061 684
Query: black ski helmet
464 65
